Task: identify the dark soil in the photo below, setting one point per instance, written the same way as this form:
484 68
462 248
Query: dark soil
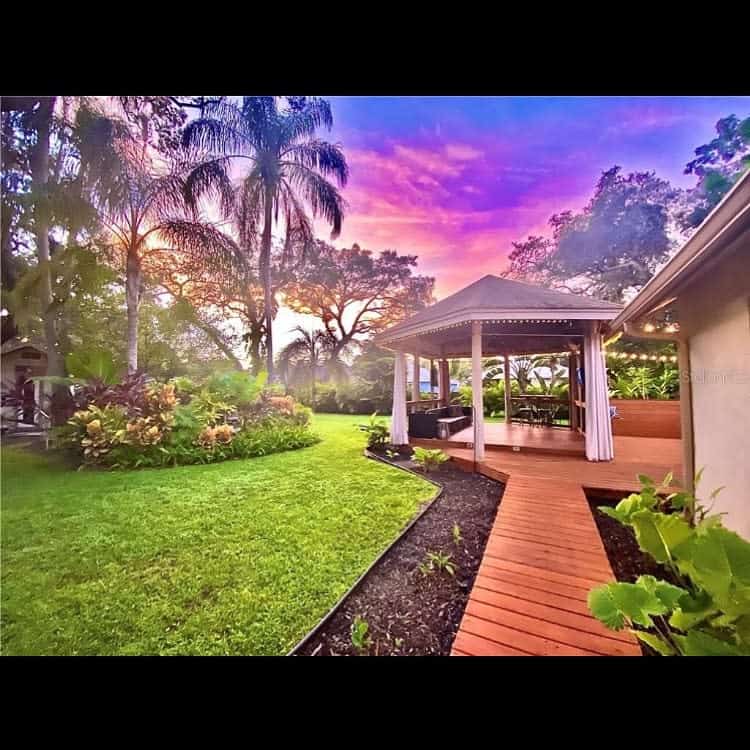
410 612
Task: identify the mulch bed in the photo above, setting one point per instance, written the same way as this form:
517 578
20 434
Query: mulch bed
409 612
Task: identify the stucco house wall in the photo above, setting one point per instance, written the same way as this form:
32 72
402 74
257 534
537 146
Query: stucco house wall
714 314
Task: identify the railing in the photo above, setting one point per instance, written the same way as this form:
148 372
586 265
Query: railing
533 409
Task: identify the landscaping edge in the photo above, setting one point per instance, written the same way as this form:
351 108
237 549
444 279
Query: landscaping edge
428 504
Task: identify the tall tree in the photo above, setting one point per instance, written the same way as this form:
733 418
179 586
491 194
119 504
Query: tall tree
211 294
612 246
289 171
148 202
718 165
308 351
356 293
28 132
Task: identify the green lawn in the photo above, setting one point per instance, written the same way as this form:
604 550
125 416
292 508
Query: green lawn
241 557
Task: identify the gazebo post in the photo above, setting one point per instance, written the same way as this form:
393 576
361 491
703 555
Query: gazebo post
446 392
441 382
476 389
508 392
415 390
399 420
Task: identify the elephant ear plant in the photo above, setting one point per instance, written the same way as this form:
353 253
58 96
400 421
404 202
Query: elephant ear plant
705 609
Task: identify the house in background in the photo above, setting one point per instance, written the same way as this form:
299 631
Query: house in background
424 382
22 358
701 300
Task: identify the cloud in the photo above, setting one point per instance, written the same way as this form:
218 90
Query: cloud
461 152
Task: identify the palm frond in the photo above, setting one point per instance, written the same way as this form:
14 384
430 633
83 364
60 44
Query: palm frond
299 228
202 243
302 122
326 158
209 179
249 199
220 132
261 120
323 197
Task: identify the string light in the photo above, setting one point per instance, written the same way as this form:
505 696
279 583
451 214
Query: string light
649 328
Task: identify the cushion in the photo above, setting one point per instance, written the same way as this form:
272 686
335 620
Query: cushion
456 410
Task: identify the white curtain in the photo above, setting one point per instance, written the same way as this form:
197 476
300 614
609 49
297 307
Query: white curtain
599 446
399 424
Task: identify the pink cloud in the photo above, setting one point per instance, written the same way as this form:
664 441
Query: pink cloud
416 200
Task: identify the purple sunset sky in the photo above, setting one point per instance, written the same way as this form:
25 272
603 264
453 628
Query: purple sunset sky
455 180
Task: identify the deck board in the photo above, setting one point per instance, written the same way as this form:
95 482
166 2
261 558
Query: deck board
544 552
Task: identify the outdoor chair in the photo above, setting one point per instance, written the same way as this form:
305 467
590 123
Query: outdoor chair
526 413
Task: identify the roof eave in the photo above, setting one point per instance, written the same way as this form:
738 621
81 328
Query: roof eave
461 317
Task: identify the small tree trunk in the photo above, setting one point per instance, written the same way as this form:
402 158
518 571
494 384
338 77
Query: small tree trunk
39 180
265 267
132 295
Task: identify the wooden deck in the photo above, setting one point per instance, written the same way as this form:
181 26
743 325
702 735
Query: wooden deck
525 437
544 552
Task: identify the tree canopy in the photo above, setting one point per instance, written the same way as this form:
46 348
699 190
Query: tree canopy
613 245
357 293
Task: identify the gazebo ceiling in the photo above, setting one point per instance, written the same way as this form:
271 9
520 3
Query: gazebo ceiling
516 318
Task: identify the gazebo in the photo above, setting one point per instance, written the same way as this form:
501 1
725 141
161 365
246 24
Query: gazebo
495 317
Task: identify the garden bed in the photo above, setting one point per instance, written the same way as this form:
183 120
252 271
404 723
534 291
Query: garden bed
410 612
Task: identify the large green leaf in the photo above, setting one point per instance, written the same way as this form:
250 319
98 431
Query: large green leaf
92 364
625 509
658 534
659 645
666 593
617 604
700 643
692 611
718 560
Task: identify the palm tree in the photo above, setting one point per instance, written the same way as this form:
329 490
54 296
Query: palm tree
148 203
309 351
288 171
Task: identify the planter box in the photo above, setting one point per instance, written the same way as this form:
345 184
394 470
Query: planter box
644 418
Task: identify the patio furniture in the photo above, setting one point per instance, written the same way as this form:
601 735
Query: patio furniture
445 420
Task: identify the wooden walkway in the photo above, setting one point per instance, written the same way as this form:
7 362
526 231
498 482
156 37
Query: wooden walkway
544 554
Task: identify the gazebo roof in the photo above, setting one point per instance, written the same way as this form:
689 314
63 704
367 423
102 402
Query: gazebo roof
493 298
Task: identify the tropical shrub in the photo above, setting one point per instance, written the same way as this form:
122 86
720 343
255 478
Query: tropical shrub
705 609
644 381
377 432
138 424
238 388
429 458
96 430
